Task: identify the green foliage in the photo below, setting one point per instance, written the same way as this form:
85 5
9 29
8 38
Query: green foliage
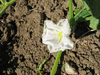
94 6
5 5
89 12
94 23
84 4
83 14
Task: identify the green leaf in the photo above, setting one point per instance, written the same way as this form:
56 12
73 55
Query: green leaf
94 6
94 23
83 14
85 4
90 14
76 11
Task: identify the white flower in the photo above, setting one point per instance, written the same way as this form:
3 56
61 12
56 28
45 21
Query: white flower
56 36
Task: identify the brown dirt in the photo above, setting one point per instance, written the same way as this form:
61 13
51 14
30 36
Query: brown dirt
21 48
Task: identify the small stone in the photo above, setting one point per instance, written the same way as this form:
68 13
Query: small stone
69 69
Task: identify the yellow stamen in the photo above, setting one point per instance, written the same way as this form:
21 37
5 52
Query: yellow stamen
60 34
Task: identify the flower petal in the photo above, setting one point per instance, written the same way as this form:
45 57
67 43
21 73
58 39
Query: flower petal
54 48
52 45
51 42
49 37
49 34
68 44
63 24
50 24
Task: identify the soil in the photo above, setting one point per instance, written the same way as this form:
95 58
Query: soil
21 47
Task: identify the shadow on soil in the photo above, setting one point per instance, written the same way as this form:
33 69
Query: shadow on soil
7 33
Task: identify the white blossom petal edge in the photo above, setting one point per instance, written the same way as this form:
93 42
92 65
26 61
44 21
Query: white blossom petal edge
56 36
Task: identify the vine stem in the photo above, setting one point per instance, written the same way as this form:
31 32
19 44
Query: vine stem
70 10
56 63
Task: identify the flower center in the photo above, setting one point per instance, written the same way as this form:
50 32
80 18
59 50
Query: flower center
60 34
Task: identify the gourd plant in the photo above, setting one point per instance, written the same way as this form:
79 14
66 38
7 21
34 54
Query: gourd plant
60 52
87 13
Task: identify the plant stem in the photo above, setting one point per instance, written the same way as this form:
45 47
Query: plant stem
40 67
71 19
5 5
70 10
56 63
